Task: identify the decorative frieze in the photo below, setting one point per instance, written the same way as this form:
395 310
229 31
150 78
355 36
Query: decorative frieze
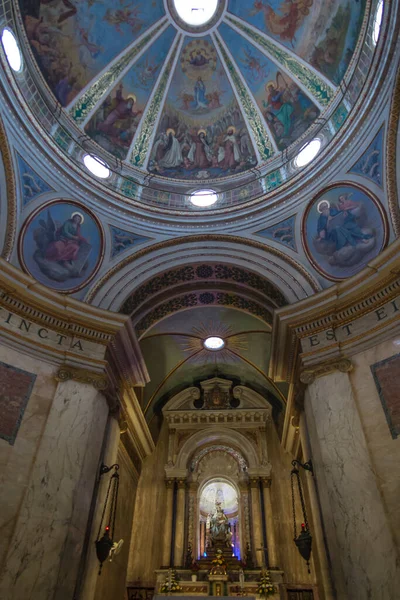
315 336
235 417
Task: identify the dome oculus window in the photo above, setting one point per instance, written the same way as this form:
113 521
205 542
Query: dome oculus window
196 12
96 166
203 198
214 343
307 153
11 48
377 22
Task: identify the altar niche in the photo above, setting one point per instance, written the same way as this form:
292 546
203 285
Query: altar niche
219 523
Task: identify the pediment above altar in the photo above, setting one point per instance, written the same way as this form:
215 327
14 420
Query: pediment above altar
216 394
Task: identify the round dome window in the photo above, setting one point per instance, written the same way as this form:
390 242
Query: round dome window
196 12
203 198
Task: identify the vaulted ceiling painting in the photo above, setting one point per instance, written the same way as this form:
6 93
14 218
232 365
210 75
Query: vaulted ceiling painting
194 107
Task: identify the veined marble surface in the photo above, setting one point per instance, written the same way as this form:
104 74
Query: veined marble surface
359 536
45 549
384 450
17 461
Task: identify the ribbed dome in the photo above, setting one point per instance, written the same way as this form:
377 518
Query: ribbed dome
219 102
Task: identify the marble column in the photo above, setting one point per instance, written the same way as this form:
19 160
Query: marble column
269 522
90 576
42 560
362 550
193 519
180 523
317 532
256 520
169 483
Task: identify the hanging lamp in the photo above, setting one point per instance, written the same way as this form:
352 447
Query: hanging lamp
303 541
104 543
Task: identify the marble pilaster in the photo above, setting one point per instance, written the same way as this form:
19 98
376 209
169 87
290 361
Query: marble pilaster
180 523
168 522
362 549
43 557
317 532
90 576
256 520
271 544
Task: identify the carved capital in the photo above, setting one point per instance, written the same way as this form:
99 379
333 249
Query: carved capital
254 482
344 365
181 484
97 380
169 484
266 482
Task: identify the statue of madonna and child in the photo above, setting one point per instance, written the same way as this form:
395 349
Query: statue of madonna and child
220 529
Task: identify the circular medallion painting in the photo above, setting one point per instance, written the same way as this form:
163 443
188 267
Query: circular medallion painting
344 228
61 245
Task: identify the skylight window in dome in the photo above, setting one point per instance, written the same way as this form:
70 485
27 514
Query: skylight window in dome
214 343
96 166
307 153
196 12
377 22
13 53
203 198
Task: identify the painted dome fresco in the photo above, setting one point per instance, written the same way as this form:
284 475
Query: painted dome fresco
181 92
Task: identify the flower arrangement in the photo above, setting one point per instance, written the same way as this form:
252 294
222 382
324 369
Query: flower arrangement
171 584
194 567
218 564
266 587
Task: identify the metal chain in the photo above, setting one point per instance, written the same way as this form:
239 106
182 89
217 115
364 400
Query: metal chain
303 505
105 508
293 503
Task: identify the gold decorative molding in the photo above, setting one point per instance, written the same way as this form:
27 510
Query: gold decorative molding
25 297
392 159
97 380
11 194
344 365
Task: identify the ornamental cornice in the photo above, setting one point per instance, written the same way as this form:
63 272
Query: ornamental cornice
341 320
200 418
25 297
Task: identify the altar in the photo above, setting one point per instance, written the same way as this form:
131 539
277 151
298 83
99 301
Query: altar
231 587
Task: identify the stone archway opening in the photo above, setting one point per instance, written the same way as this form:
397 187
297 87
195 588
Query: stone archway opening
219 516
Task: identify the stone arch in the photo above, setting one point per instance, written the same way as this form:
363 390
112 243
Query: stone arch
278 268
221 436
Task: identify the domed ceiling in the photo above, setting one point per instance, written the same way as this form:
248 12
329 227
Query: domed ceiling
194 103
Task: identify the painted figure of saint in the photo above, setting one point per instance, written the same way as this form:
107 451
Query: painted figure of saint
122 109
278 107
172 156
200 153
197 59
338 224
229 153
67 240
200 100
